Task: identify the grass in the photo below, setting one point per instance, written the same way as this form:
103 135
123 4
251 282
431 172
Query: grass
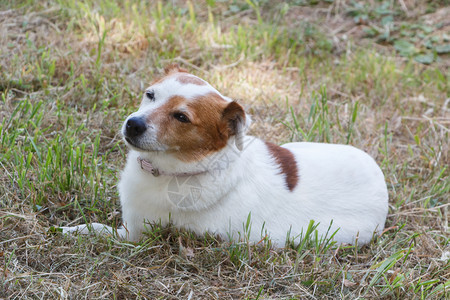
71 71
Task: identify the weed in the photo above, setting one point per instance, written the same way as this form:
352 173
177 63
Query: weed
320 71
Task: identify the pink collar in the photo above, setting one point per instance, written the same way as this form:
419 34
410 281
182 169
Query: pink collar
148 167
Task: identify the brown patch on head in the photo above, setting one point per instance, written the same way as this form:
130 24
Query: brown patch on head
287 162
174 68
158 80
169 71
211 118
187 79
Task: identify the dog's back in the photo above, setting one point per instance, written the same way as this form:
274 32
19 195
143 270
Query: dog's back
343 184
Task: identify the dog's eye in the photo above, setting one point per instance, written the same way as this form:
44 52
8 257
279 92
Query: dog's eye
150 95
181 117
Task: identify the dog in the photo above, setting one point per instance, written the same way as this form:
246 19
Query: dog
191 164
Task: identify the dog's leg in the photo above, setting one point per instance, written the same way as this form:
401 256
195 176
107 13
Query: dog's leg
121 232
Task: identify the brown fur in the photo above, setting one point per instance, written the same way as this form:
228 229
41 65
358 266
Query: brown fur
287 162
235 114
186 79
158 80
209 128
168 71
174 68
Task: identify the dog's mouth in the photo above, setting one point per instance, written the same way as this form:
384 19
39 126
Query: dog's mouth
129 142
132 144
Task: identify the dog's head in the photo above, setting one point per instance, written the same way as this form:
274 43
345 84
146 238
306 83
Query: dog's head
183 115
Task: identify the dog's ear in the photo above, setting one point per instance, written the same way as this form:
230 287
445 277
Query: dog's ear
235 117
173 68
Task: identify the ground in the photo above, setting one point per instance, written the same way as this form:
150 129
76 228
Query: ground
373 74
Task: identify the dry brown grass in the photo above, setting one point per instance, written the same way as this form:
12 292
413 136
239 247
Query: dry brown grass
64 87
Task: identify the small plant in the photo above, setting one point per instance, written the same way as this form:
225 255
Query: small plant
387 24
71 71
310 243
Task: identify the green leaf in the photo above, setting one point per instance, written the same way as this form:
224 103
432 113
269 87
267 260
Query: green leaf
361 19
234 8
442 49
384 9
371 31
427 58
428 44
443 287
54 229
427 29
385 266
388 20
308 282
404 47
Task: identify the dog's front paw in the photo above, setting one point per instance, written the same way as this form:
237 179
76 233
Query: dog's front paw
94 228
80 229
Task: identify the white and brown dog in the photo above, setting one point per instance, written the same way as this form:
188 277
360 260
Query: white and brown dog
192 164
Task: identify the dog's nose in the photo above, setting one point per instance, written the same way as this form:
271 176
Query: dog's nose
135 127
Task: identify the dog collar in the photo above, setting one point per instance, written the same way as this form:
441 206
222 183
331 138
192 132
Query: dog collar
148 167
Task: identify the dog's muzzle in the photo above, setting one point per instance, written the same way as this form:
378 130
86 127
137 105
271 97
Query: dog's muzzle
135 127
141 136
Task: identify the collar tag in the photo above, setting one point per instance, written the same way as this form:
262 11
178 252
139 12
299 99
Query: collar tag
148 167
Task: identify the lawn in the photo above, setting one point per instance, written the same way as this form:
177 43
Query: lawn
373 74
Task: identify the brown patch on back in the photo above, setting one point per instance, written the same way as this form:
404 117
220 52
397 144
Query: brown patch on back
207 132
186 79
287 162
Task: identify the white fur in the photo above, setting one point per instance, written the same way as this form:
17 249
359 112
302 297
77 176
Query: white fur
337 183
